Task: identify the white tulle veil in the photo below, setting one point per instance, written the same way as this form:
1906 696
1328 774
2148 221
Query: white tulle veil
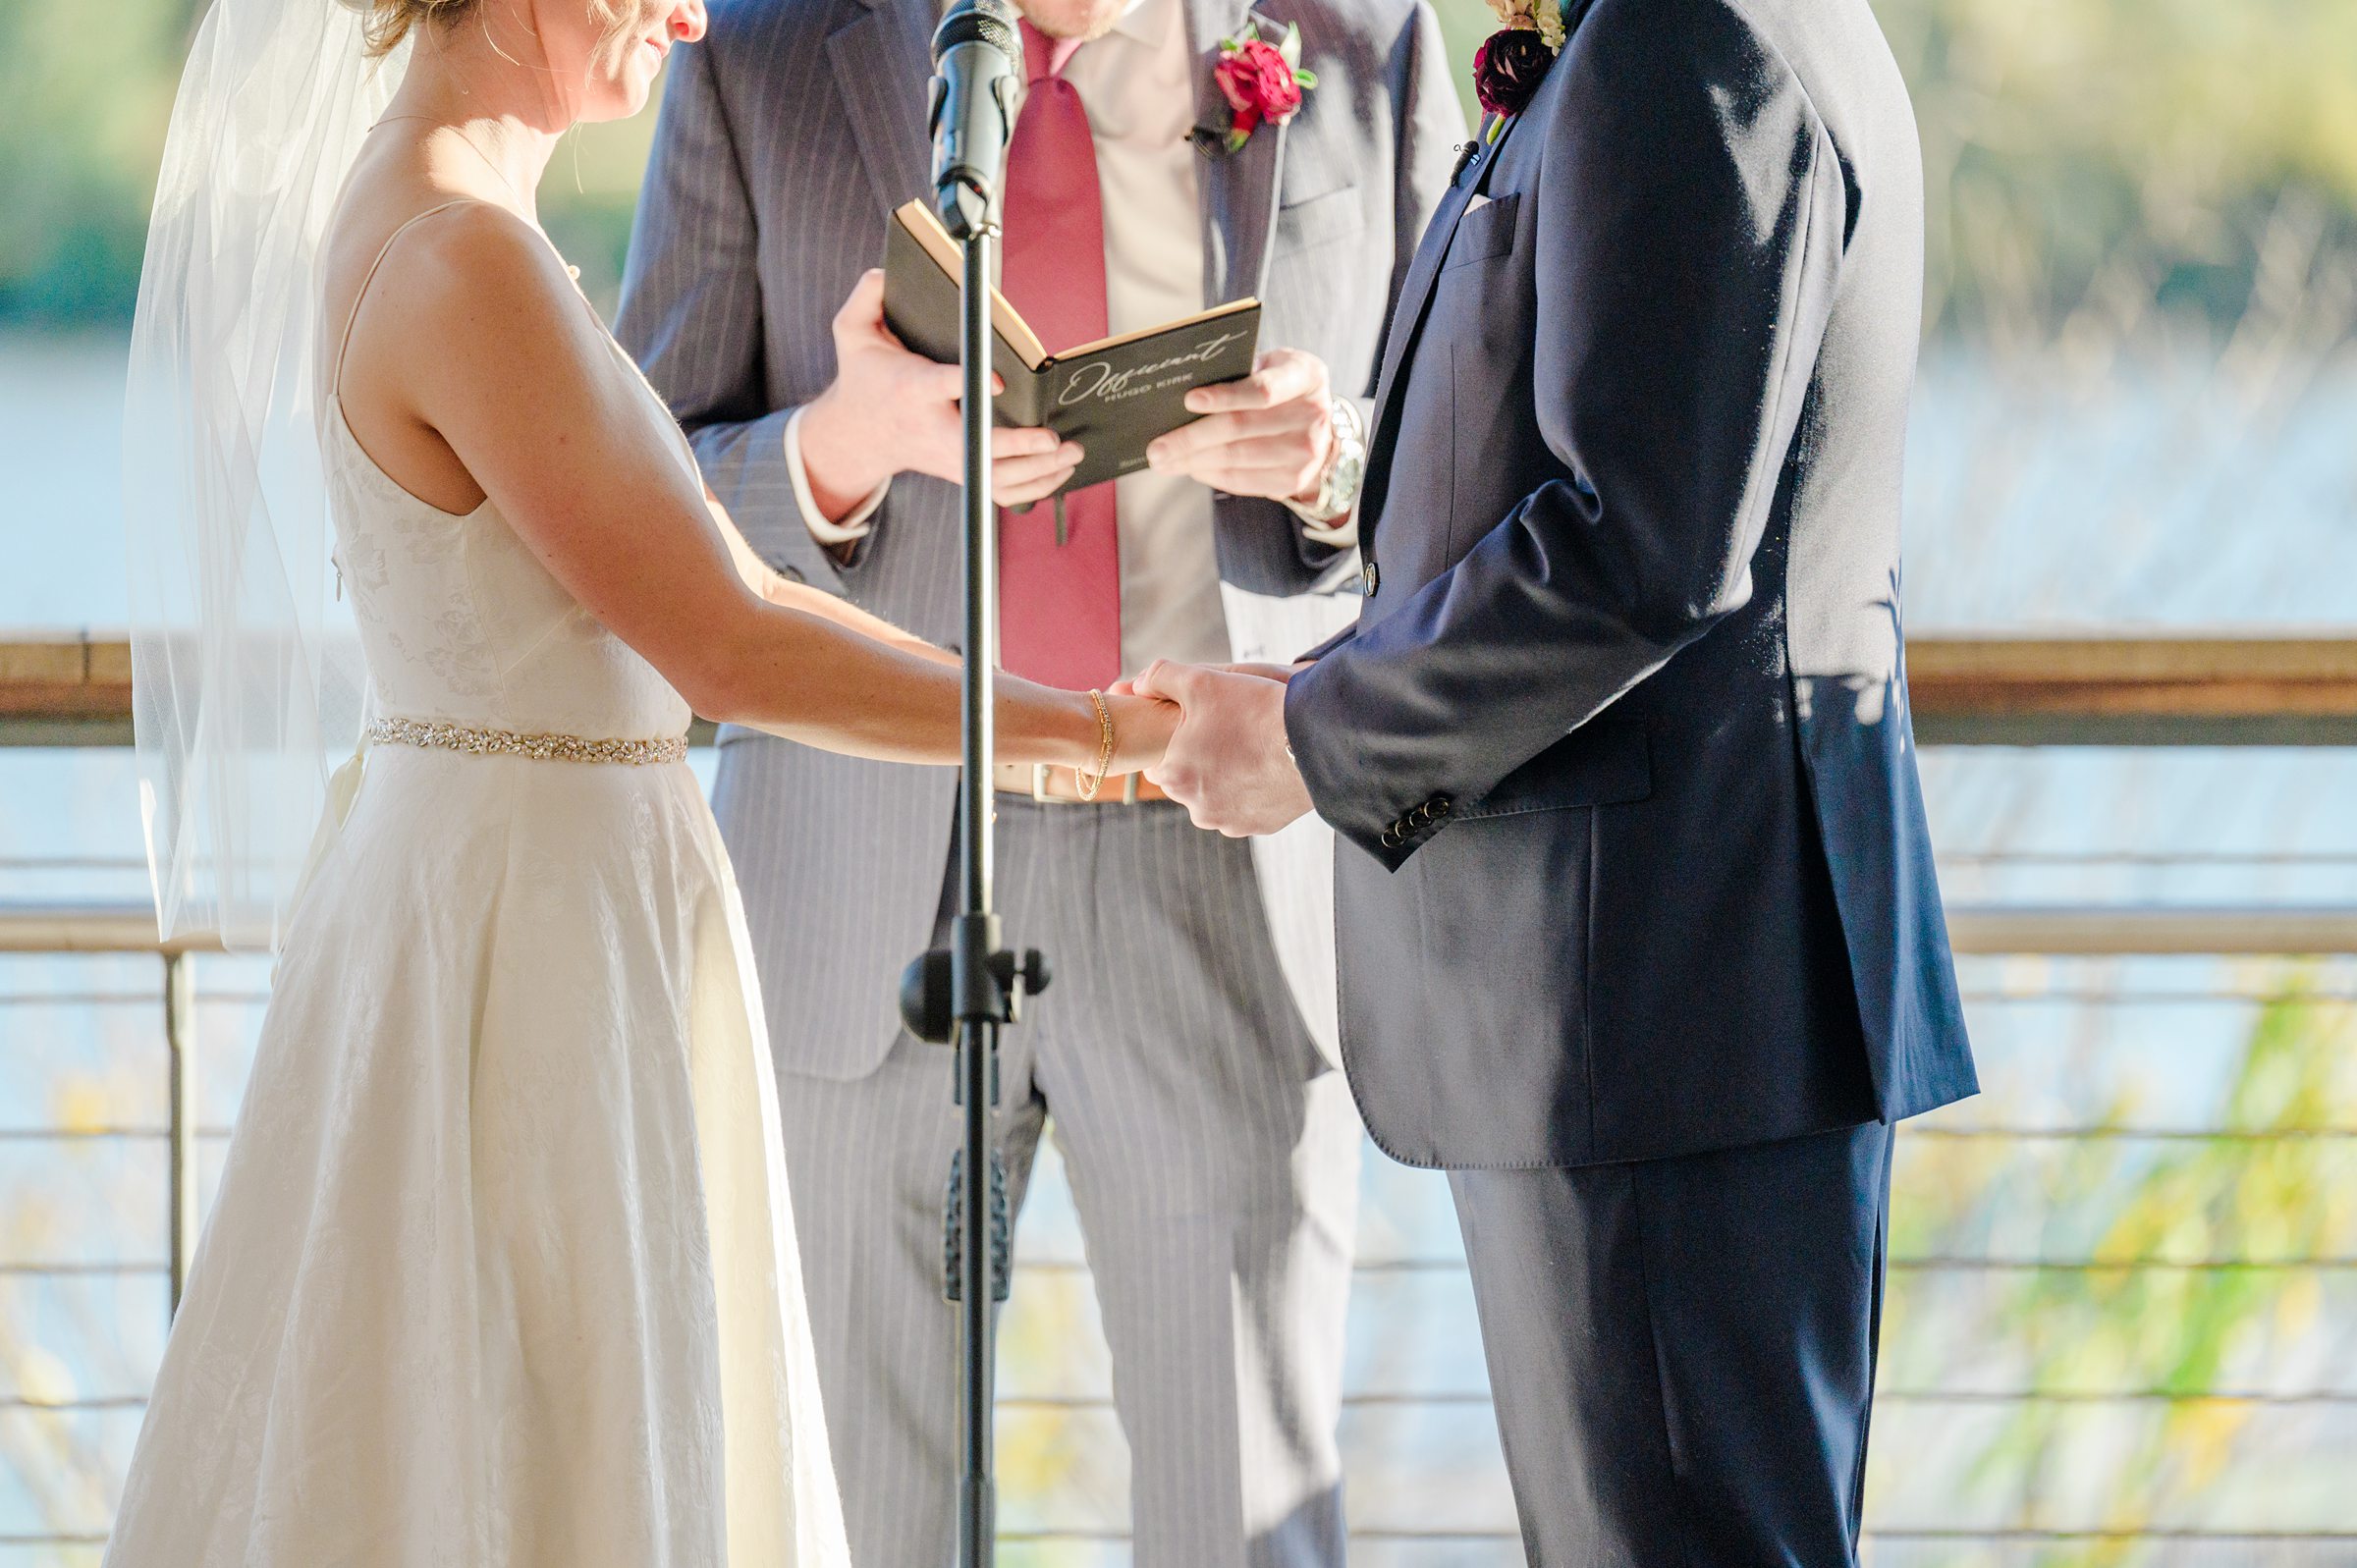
242 684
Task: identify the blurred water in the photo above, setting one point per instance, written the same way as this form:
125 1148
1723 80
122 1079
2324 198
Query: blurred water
2178 494
61 492
2181 493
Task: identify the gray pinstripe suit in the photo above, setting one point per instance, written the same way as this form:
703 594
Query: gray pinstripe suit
1212 1151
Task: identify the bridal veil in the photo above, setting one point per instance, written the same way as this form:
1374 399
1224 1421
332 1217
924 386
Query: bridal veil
243 686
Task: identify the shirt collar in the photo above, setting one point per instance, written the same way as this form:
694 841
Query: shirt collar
1142 19
1139 19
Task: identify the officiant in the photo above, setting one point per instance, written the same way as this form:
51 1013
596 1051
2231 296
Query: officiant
1169 155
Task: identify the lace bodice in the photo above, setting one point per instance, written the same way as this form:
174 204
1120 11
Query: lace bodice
460 622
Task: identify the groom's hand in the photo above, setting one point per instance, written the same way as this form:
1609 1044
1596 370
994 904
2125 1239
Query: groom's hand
1270 434
891 411
1229 763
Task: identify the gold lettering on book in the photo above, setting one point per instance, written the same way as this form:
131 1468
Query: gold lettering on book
1099 380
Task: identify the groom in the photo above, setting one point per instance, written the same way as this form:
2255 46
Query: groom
1639 933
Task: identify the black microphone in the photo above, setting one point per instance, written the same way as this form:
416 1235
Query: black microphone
977 66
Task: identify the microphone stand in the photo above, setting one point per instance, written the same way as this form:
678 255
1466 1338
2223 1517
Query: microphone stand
963 995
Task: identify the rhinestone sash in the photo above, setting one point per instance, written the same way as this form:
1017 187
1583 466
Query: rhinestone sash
506 742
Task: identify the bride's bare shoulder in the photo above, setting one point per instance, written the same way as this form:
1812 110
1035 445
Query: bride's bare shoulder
438 248
437 299
427 284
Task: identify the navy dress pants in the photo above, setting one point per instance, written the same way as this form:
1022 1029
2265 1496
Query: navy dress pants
1683 1350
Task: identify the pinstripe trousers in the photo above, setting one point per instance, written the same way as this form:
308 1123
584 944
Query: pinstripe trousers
1213 1160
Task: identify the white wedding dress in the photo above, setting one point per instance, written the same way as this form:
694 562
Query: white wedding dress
502 1270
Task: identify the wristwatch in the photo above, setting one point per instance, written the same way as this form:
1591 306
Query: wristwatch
1345 470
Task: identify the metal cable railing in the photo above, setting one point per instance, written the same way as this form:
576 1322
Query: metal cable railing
99 930
129 929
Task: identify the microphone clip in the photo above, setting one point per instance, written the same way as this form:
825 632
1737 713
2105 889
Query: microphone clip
968 200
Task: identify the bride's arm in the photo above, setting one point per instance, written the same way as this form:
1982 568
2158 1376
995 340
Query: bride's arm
777 588
501 360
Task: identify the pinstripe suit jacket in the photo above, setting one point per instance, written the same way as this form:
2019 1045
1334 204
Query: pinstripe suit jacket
787 137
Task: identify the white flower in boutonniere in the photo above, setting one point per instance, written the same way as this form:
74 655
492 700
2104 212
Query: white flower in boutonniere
1263 83
1542 17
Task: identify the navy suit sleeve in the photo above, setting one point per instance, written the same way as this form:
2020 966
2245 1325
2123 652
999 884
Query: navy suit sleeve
1688 232
691 317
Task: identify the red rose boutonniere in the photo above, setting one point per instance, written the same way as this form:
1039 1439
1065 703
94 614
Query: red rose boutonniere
1262 81
1513 61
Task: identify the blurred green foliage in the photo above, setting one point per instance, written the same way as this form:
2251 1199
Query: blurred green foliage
85 98
82 109
2113 160
2109 159
2162 1345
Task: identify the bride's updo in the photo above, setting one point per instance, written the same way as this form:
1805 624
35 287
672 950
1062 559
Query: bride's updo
389 22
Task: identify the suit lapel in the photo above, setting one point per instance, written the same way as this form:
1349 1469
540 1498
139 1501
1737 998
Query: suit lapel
1240 188
1416 291
881 68
1407 320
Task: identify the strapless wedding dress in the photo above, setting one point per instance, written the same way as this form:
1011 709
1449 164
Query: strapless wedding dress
502 1268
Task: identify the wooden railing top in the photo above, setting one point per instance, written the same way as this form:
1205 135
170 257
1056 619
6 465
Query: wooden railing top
65 671
2194 658
2184 689
2051 930
1999 689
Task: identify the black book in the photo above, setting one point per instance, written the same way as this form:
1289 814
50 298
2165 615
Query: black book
1114 397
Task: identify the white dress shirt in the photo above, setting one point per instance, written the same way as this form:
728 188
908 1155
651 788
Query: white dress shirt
1137 84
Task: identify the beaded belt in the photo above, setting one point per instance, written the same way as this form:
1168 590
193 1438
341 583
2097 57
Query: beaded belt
504 742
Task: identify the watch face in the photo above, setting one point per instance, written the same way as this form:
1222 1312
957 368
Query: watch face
1345 468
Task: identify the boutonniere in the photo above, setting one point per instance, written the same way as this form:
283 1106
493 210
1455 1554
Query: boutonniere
1263 83
1512 62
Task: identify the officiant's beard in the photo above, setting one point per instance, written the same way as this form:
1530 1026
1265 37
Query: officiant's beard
1085 19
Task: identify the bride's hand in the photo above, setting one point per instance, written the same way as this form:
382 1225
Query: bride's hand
1142 727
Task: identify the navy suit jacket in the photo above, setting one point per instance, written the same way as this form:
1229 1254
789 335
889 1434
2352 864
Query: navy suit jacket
1636 860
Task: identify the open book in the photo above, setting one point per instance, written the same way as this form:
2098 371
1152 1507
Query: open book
1113 397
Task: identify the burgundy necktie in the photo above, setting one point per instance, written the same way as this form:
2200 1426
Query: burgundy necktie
1059 604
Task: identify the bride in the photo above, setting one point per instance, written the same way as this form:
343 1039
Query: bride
502 1266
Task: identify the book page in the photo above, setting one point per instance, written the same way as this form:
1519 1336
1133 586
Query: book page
926 230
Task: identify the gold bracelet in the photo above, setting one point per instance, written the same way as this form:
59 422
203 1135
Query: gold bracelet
1086 783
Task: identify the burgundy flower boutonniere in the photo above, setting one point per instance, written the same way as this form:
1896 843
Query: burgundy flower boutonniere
1263 83
1512 62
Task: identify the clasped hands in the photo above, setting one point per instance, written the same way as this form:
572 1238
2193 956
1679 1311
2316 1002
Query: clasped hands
1227 761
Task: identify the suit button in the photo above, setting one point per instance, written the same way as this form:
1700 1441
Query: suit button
1390 838
1372 577
1439 806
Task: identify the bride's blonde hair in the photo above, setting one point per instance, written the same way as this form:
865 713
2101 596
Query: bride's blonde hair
391 21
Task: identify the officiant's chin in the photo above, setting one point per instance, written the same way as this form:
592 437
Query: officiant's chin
1085 19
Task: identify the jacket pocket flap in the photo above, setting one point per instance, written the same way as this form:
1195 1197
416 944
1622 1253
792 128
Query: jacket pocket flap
1314 220
1484 231
1603 762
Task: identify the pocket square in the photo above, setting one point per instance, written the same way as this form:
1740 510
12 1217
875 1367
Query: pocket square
1478 202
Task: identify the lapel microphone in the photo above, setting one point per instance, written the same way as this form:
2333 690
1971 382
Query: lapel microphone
977 69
